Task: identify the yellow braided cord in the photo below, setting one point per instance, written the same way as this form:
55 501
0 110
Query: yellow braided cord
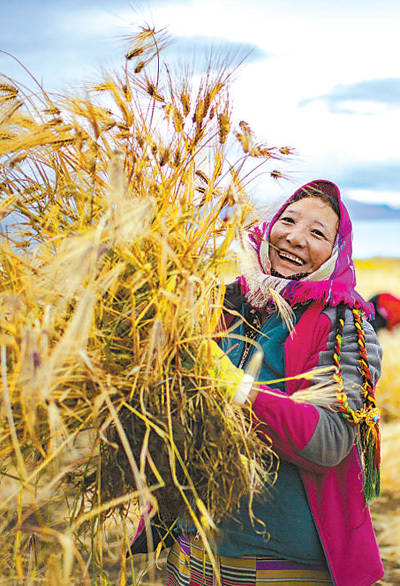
344 407
369 419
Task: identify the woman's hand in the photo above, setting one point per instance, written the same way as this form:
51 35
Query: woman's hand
226 373
251 397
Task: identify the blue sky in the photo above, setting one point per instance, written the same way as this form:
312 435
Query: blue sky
323 75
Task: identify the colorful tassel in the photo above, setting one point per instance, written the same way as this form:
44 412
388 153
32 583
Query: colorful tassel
367 418
369 427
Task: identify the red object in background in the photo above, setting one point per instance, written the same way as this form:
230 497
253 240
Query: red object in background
389 308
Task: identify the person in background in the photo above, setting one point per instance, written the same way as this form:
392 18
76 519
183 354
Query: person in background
313 525
387 311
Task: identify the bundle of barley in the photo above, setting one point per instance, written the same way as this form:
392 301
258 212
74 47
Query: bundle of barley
121 208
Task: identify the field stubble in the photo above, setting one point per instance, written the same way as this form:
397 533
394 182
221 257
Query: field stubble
374 276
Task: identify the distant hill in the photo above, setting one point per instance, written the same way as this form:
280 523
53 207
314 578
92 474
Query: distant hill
371 211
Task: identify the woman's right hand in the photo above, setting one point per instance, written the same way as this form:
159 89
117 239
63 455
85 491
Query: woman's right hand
228 375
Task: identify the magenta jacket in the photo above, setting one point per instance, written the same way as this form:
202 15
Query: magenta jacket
322 445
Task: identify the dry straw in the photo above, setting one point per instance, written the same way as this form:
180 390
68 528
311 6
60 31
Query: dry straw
121 206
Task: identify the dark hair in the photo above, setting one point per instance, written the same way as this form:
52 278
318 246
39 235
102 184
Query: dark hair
325 190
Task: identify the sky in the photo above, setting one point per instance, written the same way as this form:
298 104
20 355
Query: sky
322 76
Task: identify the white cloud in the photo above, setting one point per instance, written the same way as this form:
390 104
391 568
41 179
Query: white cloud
391 198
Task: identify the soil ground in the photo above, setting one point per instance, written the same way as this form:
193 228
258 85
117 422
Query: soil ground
385 507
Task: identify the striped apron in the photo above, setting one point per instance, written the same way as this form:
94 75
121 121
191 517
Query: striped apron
189 565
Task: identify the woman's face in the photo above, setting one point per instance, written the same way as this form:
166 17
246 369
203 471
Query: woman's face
302 238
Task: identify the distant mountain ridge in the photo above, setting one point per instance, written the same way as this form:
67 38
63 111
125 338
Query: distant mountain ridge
359 210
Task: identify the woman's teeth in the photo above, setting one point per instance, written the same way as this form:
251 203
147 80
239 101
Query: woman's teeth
291 257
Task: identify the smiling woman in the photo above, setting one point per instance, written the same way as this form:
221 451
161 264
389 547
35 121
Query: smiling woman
303 236
328 453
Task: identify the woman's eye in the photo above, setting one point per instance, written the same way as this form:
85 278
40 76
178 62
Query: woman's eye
319 233
287 219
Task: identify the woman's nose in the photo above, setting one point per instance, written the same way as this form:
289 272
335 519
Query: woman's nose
295 236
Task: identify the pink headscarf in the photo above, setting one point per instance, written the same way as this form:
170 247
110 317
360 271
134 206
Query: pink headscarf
330 284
